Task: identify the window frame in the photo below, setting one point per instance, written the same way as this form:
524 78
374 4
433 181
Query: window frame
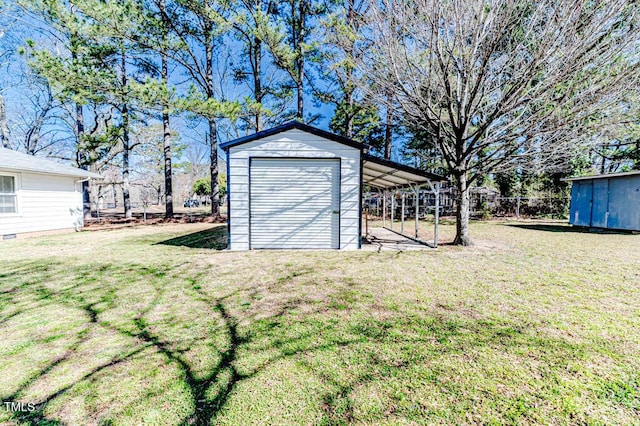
16 191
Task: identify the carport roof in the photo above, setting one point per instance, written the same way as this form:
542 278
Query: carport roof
387 174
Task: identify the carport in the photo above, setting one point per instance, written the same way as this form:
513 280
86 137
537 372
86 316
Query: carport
393 179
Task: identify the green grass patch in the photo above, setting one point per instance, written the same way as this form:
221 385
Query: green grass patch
536 324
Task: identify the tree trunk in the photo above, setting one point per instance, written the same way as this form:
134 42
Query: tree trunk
126 198
299 89
4 128
81 153
349 92
257 79
32 135
298 39
81 160
213 143
388 132
462 210
168 186
213 133
168 183
349 113
388 138
604 157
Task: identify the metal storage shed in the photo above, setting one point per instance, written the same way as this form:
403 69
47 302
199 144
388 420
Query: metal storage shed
606 201
296 186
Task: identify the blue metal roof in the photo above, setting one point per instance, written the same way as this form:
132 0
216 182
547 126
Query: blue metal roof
605 176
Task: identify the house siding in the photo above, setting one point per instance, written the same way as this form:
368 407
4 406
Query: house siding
297 144
45 202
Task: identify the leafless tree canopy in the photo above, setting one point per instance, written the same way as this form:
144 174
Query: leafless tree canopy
495 81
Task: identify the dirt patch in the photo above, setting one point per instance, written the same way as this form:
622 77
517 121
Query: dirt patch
40 234
490 245
120 222
477 245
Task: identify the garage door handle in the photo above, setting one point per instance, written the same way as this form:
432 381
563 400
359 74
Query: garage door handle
336 212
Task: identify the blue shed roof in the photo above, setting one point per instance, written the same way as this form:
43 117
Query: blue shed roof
606 176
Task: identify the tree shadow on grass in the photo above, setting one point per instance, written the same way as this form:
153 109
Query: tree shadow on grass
205 408
214 238
372 348
88 294
566 229
371 352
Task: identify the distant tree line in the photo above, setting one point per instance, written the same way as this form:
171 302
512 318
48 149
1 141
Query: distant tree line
500 92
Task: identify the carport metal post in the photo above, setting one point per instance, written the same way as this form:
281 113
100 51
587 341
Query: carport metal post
366 222
437 214
384 209
436 191
402 214
393 199
417 195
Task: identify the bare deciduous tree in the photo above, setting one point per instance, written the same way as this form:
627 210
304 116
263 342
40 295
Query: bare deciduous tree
4 127
500 80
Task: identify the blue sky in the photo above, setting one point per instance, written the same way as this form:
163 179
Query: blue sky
16 28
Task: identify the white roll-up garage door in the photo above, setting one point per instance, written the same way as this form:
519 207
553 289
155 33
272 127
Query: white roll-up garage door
294 203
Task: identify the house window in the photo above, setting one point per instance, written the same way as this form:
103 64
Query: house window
8 194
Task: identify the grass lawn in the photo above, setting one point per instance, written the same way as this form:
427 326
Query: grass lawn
155 325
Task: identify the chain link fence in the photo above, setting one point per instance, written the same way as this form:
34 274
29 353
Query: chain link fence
484 204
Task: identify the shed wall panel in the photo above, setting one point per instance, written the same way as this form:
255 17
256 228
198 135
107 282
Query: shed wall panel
581 206
600 203
624 203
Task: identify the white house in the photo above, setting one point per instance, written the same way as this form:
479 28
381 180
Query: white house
37 194
296 186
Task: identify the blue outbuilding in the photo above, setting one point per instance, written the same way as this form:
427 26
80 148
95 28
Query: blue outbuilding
606 201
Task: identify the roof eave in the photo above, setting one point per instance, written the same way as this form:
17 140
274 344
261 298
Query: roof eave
605 176
426 176
89 175
291 126
401 167
397 187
